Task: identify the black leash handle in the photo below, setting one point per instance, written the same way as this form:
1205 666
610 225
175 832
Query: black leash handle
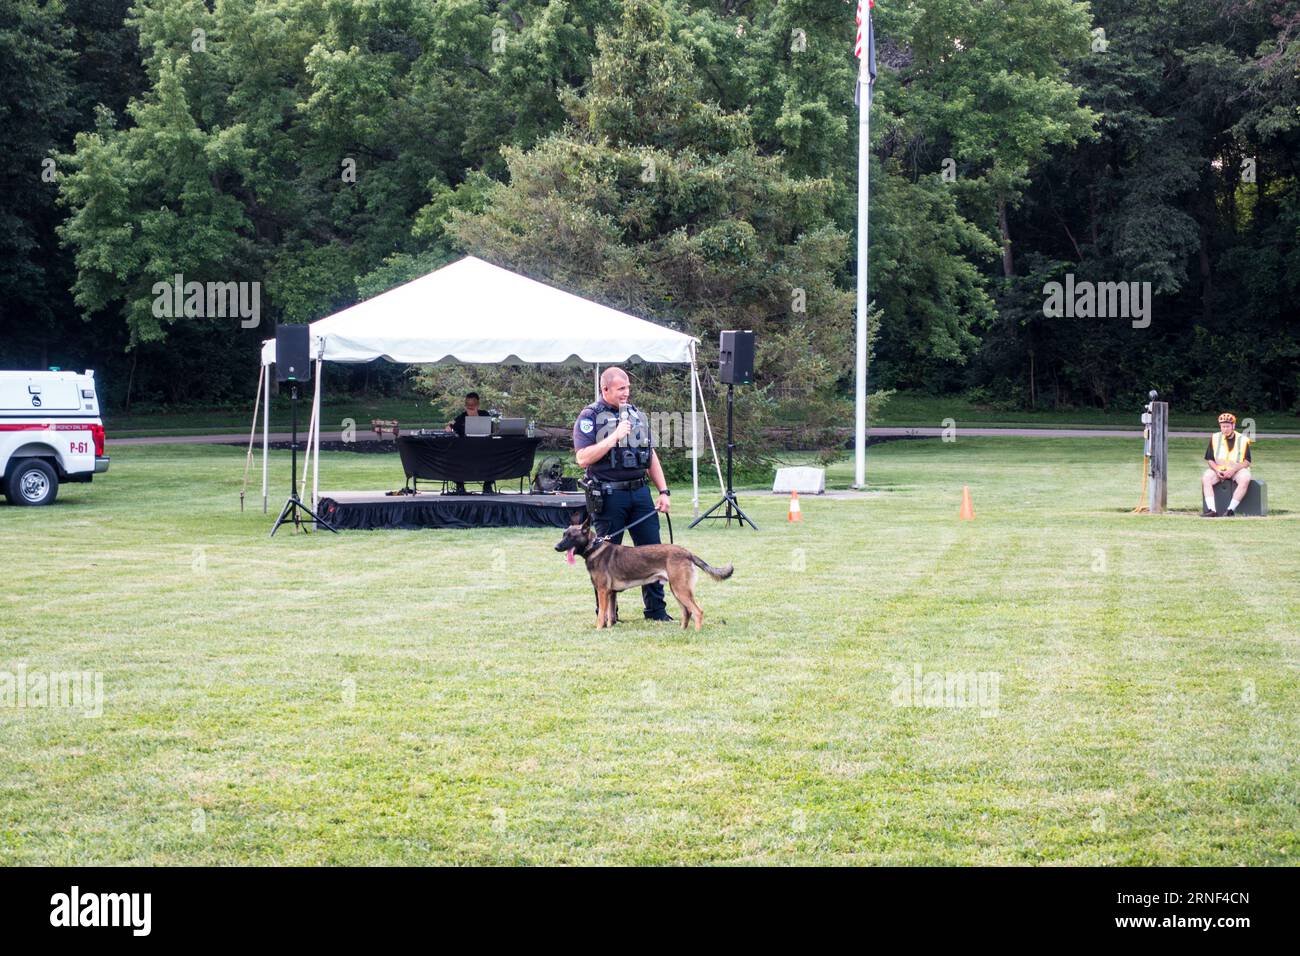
606 537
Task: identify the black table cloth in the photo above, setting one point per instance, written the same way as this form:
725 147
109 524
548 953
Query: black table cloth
452 458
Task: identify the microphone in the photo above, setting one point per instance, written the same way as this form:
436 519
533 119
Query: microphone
622 417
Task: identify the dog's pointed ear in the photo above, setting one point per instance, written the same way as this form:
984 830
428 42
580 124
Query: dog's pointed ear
586 523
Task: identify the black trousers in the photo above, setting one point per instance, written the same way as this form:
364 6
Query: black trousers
621 509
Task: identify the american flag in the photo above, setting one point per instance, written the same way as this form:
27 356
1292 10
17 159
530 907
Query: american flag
869 64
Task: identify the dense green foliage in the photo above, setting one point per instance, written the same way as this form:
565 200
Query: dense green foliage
1197 98
690 160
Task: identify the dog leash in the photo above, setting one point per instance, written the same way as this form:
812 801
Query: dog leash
606 537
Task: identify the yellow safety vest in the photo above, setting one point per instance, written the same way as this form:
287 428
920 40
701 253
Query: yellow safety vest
1229 456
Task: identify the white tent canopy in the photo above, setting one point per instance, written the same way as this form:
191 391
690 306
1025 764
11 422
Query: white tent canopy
474 312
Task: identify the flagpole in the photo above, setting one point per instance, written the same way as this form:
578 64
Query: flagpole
864 187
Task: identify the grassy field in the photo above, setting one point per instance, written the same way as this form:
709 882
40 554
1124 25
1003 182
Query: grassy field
442 697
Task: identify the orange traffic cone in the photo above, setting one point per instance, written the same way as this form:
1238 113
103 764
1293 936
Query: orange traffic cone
794 514
967 510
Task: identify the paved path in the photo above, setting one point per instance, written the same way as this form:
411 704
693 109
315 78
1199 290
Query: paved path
1135 434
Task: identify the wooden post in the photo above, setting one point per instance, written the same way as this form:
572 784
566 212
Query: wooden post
1159 488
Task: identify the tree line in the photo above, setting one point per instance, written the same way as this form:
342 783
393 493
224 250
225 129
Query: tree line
691 162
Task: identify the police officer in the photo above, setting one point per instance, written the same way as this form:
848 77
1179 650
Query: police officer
613 443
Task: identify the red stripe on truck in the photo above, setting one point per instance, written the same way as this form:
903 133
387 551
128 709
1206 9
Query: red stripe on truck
46 427
96 431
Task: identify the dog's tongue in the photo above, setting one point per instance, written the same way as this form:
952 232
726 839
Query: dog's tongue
569 557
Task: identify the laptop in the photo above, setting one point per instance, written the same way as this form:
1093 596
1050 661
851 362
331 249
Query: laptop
512 426
479 426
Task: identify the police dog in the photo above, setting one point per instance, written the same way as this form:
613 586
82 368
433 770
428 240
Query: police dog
614 568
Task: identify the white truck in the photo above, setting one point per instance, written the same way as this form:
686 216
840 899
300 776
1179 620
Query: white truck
50 431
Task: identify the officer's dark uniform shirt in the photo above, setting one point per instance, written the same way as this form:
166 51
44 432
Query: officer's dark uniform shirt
1231 443
596 422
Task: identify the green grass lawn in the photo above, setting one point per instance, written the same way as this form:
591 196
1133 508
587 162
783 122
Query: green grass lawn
442 697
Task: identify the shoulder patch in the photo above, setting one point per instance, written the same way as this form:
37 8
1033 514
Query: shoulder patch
586 426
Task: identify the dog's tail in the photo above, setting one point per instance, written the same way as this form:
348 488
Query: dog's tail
718 574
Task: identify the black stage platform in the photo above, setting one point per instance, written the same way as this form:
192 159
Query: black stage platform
368 510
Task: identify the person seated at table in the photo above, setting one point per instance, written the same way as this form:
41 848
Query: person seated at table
457 424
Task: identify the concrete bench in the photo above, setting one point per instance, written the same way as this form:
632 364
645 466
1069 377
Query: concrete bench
1254 505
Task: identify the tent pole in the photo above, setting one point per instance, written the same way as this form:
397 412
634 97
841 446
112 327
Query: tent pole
315 470
596 382
695 444
252 437
708 432
266 430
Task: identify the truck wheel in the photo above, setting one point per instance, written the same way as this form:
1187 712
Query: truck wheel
31 482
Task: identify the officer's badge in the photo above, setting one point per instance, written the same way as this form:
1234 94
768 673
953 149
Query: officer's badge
586 426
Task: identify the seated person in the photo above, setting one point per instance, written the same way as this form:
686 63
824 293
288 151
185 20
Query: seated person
1228 455
457 425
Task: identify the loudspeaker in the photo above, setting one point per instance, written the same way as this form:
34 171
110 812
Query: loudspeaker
292 353
736 358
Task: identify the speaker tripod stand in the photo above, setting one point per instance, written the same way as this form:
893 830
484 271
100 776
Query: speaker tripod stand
728 500
294 509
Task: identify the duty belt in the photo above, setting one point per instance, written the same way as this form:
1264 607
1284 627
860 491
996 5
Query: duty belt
632 485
